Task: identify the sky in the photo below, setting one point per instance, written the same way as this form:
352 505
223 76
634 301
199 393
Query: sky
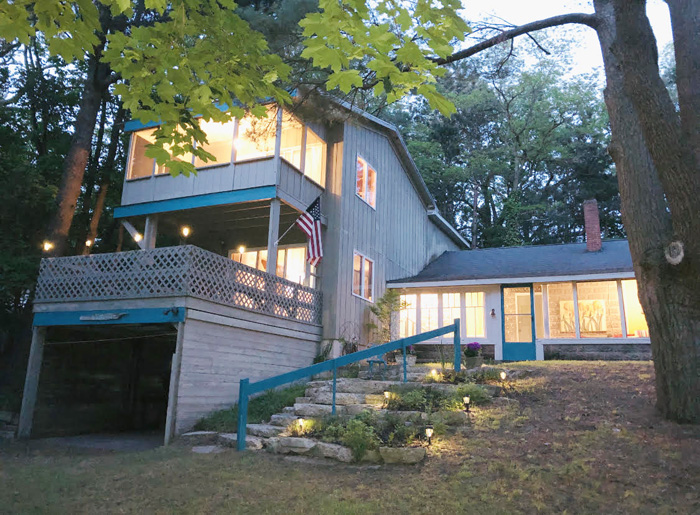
586 53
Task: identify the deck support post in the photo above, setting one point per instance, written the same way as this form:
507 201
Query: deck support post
31 383
272 236
150 231
175 367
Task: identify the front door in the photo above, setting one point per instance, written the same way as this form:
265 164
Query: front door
518 323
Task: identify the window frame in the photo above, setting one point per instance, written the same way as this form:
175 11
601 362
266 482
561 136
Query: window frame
367 167
362 276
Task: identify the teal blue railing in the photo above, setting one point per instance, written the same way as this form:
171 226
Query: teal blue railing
247 388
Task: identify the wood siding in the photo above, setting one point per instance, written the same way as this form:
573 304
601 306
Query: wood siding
398 235
221 347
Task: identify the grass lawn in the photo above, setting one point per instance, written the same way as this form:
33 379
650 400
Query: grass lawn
583 437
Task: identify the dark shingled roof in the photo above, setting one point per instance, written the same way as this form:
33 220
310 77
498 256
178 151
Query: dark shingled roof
529 261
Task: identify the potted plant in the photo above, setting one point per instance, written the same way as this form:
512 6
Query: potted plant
472 355
410 356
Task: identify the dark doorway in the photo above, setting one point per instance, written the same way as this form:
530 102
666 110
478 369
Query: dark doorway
104 379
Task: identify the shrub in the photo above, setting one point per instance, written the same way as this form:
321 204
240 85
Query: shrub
477 394
360 438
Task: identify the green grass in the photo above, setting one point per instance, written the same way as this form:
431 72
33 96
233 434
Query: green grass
260 409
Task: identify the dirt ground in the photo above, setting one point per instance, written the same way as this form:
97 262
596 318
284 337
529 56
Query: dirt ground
575 437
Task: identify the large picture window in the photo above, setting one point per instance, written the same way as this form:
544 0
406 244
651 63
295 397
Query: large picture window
291 262
366 182
362 276
219 143
428 312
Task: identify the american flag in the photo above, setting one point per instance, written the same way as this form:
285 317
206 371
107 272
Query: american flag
310 223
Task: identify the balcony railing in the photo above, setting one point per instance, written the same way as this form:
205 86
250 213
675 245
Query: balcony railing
172 272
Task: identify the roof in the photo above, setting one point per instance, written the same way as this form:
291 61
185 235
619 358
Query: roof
528 262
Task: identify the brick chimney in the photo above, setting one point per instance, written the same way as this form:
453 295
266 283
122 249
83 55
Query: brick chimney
591 221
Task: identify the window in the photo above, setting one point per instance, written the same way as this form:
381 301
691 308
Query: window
599 310
634 315
474 312
139 164
220 141
291 262
256 136
366 182
362 277
407 316
292 136
560 310
428 312
315 164
451 307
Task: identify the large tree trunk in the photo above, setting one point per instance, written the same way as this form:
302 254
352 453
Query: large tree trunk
668 293
78 154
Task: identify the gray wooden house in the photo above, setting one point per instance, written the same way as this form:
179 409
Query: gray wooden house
218 289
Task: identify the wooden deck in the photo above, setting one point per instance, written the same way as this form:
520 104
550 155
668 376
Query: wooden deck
174 272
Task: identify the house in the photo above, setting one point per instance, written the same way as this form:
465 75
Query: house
532 302
220 288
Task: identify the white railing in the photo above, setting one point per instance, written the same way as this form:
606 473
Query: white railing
171 272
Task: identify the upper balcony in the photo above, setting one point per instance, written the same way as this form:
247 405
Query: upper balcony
275 157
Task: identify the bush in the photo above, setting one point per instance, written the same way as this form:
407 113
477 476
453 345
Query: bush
260 408
360 438
477 394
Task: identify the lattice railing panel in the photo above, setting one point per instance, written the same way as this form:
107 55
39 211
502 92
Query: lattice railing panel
175 271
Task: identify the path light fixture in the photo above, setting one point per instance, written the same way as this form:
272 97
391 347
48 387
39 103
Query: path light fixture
434 373
47 246
387 395
300 425
429 433
503 375
467 403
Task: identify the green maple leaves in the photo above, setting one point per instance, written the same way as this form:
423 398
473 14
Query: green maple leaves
396 41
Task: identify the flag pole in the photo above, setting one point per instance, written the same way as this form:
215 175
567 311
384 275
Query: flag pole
285 232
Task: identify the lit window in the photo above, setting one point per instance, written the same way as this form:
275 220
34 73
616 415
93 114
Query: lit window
560 310
291 262
634 315
428 312
599 310
407 316
363 276
256 136
186 158
474 311
219 142
366 182
292 135
450 308
315 164
139 164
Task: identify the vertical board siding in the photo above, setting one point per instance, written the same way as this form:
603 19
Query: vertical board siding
294 184
398 235
215 357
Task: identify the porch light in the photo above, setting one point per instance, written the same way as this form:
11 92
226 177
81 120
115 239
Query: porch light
47 246
503 376
241 249
493 313
429 433
467 402
138 237
88 243
185 231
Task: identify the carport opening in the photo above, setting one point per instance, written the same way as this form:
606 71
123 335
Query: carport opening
104 379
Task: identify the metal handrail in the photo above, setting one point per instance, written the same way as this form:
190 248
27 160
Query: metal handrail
247 388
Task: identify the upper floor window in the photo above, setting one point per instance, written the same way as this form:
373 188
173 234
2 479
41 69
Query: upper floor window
363 277
139 164
219 143
366 182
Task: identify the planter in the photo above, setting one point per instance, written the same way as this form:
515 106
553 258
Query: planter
473 362
410 360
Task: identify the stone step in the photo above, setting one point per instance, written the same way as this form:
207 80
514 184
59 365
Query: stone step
282 419
264 430
364 386
316 410
341 398
304 400
356 409
252 443
200 437
288 409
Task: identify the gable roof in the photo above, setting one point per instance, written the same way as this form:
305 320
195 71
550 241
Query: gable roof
525 264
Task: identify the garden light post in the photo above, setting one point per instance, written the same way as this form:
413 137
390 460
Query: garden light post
429 433
467 403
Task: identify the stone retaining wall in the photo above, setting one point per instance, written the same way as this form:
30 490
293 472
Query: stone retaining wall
607 352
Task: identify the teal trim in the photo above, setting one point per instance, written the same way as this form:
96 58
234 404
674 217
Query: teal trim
110 317
246 389
518 351
210 199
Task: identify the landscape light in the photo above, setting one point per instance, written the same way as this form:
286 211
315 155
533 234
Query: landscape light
433 373
47 246
387 394
429 433
185 230
467 401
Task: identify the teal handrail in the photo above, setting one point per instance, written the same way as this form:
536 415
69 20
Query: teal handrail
247 388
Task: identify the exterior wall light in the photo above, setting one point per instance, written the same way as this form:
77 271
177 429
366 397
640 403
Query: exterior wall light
493 313
47 246
241 249
138 237
88 243
185 231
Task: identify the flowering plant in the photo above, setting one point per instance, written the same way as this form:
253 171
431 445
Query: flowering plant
410 350
472 350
